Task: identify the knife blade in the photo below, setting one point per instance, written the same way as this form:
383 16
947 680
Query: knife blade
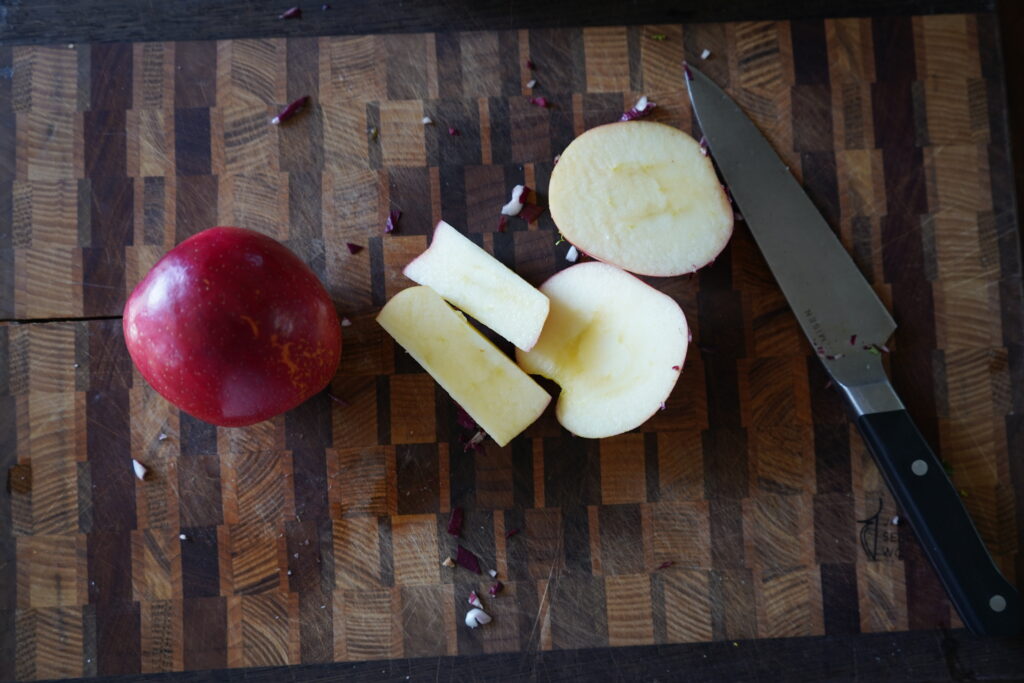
846 324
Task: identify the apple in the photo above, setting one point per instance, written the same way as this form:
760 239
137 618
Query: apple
502 399
614 344
233 328
481 285
640 195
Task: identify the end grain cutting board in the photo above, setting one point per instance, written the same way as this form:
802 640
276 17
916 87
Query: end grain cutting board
319 535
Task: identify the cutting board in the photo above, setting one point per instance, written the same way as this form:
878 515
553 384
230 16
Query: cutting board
747 508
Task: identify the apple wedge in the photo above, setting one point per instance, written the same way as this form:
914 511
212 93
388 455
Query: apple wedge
479 284
613 343
502 398
642 196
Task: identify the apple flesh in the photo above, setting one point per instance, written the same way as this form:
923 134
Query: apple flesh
613 343
481 285
233 328
642 196
502 399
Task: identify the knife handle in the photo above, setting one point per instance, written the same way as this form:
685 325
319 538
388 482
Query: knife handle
987 603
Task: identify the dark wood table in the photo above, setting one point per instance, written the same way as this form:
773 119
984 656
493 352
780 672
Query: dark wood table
93 578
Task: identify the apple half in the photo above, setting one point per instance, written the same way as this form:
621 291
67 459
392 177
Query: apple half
613 343
495 392
481 285
642 196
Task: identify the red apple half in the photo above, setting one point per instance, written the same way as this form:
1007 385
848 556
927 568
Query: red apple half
233 328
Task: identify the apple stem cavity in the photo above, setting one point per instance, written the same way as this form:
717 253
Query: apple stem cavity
292 109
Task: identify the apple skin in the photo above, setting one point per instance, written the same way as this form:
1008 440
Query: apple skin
233 328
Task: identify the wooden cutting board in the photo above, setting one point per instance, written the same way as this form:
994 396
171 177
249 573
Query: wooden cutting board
319 535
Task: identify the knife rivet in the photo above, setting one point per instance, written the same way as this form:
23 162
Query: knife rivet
997 603
919 467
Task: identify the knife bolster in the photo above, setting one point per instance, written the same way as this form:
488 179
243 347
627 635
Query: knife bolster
867 399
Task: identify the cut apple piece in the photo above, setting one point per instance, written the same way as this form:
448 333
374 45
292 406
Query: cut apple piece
479 284
613 343
502 399
642 196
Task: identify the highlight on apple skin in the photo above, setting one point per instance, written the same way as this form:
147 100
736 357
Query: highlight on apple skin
614 344
233 328
642 196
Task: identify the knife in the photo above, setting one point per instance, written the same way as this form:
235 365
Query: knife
846 324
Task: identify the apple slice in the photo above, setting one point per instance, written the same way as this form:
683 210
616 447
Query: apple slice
502 399
613 343
642 196
479 284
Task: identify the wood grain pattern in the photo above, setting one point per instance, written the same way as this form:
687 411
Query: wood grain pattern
319 535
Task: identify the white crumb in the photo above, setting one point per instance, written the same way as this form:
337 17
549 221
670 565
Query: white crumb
515 204
476 617
140 469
